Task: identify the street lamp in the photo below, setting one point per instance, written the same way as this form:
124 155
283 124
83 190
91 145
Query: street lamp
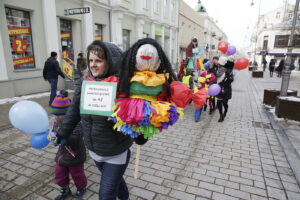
256 34
286 71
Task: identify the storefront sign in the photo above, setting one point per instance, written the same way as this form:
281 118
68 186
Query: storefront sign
97 98
75 11
158 30
67 69
19 45
23 60
65 35
98 37
19 31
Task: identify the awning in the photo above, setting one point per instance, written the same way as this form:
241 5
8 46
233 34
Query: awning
280 54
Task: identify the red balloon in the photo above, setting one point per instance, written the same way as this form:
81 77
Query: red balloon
241 63
223 46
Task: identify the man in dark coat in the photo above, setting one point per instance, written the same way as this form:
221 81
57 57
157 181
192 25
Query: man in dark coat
51 72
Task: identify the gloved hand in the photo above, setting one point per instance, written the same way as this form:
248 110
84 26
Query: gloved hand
60 140
140 140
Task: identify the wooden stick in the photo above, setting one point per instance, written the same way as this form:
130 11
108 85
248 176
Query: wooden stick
137 161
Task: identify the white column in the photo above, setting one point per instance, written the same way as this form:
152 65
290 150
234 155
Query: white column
170 45
3 66
139 23
152 34
176 48
88 27
116 28
50 26
162 36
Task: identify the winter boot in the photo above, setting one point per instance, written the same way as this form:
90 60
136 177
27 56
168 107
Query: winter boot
225 112
205 106
80 193
64 192
221 118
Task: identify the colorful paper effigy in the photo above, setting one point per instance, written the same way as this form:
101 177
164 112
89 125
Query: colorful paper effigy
142 112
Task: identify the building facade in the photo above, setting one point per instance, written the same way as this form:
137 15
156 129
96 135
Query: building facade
273 32
30 30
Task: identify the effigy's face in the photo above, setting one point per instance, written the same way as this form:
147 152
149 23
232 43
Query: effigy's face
147 58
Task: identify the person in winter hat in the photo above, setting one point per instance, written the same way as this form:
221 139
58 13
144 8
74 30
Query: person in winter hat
107 147
226 90
70 157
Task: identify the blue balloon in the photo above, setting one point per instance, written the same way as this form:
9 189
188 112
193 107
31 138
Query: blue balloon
207 64
39 140
29 117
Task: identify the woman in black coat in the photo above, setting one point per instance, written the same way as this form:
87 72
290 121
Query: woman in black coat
226 91
280 67
271 67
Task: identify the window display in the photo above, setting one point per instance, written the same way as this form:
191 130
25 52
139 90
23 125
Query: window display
19 31
98 32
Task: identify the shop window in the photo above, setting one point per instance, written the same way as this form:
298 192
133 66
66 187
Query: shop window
126 39
281 41
98 32
296 42
66 39
19 31
265 43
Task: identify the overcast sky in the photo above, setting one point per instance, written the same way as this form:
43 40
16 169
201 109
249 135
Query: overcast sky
236 17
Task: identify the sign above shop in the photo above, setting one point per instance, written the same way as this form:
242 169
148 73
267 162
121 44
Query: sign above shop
76 11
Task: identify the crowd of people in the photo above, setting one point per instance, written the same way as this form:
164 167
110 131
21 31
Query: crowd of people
275 66
143 74
201 77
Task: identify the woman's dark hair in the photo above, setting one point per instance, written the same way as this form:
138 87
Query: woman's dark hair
99 48
129 61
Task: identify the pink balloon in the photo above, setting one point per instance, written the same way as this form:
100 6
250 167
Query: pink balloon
230 50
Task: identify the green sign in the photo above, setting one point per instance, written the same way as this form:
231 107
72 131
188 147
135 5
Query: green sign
97 98
158 30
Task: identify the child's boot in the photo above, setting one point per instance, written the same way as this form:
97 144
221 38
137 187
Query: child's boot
80 193
64 192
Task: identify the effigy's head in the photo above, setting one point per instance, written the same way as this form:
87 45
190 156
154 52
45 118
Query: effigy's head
147 58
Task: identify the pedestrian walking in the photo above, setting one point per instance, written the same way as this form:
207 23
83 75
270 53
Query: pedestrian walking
50 73
81 64
271 67
226 91
107 147
292 66
280 68
264 64
70 157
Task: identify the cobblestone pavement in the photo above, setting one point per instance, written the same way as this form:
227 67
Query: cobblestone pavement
240 158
